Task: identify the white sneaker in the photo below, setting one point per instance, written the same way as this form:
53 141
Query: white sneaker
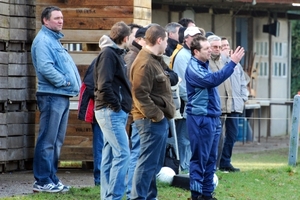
65 188
50 187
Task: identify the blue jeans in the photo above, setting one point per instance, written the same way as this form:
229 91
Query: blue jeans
134 155
115 153
232 128
153 140
54 114
184 147
97 151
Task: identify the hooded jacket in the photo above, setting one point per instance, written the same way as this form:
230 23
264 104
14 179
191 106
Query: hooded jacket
112 88
151 88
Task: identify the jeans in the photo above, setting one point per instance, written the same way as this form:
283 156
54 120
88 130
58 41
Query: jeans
184 147
97 151
231 124
134 155
115 153
153 137
54 114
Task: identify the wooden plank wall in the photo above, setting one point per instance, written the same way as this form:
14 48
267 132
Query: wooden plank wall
17 84
85 21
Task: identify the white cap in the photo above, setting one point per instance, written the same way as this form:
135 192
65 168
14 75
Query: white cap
191 31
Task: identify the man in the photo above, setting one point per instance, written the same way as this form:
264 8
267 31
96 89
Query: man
225 90
58 80
133 28
137 44
180 63
186 22
86 113
239 97
172 29
203 115
152 107
112 104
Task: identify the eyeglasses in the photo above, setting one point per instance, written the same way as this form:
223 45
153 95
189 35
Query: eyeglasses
216 47
225 45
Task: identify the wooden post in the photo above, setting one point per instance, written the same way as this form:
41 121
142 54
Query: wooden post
294 137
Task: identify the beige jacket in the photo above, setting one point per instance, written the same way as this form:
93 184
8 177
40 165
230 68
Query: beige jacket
225 91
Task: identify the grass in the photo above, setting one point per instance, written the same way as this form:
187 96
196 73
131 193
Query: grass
264 176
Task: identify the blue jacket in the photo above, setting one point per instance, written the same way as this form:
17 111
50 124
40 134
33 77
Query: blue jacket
53 65
201 85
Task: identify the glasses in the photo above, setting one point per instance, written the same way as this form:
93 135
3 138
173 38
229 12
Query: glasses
225 45
216 47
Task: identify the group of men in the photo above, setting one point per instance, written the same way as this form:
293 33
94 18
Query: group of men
137 83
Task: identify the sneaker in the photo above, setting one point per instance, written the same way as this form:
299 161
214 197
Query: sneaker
230 168
65 188
50 187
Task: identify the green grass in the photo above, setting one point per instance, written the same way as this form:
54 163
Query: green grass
264 176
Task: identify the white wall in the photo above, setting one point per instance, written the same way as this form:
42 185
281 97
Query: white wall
223 27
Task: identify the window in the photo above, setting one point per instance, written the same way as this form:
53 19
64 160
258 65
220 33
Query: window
73 46
262 48
278 48
263 69
279 69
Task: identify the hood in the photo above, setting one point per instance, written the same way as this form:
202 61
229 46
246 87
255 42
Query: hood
105 41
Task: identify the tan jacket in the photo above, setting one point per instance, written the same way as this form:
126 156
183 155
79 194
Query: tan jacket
225 91
151 88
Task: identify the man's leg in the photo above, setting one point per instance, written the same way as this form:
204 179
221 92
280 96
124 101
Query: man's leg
153 137
97 151
230 138
202 140
113 125
134 155
54 112
183 144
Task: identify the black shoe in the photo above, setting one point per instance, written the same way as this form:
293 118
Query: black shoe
230 168
201 197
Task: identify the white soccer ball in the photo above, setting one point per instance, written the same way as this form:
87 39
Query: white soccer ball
166 175
215 181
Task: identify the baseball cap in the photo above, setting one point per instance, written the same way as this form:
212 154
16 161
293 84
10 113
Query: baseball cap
141 32
191 31
209 33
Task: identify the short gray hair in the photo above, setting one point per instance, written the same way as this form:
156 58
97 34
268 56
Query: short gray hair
213 38
171 27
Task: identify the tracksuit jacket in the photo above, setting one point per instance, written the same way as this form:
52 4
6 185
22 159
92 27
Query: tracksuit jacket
201 83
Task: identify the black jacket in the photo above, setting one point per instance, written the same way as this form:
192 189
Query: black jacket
112 87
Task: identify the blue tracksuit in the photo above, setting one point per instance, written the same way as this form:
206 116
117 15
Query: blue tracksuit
203 111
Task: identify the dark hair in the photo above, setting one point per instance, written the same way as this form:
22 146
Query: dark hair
224 38
181 34
47 12
119 31
185 21
133 25
153 33
195 44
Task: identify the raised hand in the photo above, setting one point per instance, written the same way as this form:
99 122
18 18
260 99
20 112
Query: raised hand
238 54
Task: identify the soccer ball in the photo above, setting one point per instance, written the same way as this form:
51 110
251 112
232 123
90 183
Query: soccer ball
166 175
215 181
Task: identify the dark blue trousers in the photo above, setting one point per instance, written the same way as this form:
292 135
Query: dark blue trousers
204 133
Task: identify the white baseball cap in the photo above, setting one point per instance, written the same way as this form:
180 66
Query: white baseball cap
191 31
